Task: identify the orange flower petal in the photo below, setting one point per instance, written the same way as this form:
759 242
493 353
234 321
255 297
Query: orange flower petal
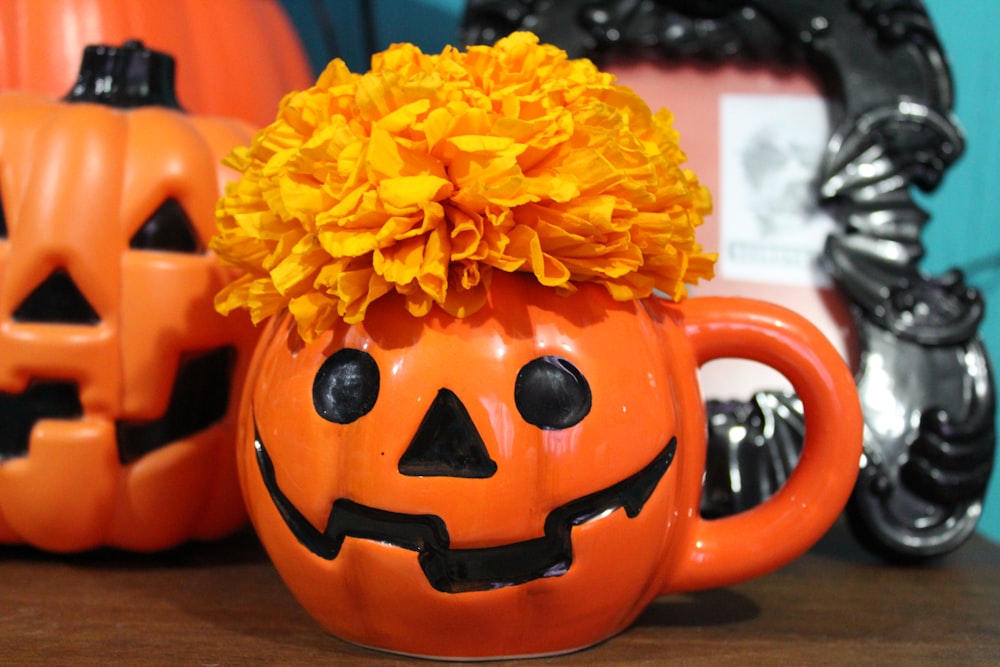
430 171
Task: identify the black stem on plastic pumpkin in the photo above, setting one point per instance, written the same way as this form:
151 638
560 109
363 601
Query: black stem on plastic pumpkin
125 76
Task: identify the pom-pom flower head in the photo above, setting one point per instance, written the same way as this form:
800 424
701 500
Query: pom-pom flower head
429 172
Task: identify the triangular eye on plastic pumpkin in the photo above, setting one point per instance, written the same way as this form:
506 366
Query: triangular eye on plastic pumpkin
57 300
168 229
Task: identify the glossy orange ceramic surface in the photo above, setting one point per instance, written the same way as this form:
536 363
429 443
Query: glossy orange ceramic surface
109 342
525 480
235 58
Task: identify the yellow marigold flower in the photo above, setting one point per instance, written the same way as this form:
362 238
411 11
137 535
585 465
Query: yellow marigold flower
429 172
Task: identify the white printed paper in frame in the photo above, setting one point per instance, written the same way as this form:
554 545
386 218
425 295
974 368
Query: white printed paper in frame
694 95
772 229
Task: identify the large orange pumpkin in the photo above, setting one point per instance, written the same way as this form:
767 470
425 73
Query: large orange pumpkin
117 412
234 57
524 480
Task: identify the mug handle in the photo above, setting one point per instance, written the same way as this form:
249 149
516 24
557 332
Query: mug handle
723 551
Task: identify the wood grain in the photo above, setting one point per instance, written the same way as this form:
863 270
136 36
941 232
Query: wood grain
224 604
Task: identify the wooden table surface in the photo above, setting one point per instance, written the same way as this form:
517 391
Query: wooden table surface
223 604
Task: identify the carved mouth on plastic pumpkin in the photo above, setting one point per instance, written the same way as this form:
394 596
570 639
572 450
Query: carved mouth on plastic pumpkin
462 570
199 398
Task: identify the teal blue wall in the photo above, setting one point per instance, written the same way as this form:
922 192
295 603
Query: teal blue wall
343 28
964 209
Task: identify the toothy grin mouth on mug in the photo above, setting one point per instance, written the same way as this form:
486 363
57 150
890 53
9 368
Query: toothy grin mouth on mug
462 570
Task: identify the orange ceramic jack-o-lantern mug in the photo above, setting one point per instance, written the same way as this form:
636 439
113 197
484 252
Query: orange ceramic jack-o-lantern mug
470 430
527 479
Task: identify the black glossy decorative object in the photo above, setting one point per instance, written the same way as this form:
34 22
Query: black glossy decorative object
125 76
924 377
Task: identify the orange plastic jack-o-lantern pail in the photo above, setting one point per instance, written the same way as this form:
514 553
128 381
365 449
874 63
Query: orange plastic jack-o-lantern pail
470 429
119 382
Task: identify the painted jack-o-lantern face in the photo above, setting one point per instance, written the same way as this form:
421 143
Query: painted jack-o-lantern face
526 479
523 452
116 374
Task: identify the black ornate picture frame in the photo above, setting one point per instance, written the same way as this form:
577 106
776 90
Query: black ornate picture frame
923 375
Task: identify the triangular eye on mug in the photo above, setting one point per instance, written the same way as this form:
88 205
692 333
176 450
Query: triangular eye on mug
57 300
168 229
